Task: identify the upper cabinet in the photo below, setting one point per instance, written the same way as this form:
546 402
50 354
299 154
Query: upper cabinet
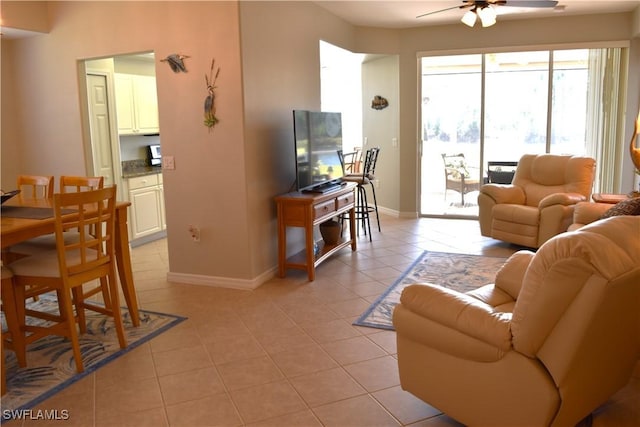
136 104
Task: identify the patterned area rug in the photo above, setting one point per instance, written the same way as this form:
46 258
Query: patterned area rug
50 366
456 271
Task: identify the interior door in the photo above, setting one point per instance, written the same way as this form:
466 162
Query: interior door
100 127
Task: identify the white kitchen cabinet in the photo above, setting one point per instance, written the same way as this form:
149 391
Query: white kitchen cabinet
136 104
147 205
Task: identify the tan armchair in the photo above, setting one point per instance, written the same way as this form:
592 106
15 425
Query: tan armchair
552 340
539 203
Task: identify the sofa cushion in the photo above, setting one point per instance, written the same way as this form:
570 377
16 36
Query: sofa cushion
625 207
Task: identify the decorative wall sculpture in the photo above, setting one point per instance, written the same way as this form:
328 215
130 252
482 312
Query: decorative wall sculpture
176 62
379 103
210 119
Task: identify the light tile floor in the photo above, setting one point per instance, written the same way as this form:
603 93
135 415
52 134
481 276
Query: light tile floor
285 354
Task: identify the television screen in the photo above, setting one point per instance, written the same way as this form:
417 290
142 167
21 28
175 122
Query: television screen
318 137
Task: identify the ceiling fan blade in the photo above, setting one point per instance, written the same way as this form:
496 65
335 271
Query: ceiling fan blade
530 3
464 6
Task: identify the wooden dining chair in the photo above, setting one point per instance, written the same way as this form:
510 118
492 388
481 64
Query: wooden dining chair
72 264
35 186
80 183
47 242
11 338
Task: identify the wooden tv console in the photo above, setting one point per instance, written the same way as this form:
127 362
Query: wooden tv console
307 210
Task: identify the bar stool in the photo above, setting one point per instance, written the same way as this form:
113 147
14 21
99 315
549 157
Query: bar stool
362 209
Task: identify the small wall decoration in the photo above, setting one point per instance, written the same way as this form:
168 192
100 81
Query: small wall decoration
379 103
210 118
176 62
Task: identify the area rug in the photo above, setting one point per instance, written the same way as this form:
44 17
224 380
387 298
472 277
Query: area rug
456 271
50 366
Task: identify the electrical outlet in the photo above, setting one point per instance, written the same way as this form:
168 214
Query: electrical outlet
377 183
394 142
366 140
195 233
168 162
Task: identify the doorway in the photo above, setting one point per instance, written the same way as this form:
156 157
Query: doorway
121 112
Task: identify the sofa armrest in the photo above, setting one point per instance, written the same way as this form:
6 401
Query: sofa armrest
504 193
587 212
510 276
459 312
564 199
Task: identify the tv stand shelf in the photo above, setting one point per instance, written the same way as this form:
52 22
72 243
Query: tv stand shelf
307 210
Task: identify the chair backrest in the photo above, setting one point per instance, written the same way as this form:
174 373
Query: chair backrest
41 186
455 166
356 160
350 162
80 183
501 172
543 174
370 161
87 256
578 310
342 161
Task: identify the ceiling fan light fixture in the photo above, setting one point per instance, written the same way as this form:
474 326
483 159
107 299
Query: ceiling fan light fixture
487 16
469 18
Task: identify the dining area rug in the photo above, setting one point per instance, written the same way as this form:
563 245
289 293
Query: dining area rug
50 366
461 272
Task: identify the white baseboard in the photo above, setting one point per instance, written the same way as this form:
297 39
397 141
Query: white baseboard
221 282
251 284
396 214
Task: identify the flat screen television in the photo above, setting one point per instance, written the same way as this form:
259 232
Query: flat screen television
318 137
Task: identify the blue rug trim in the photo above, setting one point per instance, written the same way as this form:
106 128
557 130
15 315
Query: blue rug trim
91 369
361 320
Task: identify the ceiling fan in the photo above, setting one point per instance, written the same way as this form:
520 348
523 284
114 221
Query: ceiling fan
484 9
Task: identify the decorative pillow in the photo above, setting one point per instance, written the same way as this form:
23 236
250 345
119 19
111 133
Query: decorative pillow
625 207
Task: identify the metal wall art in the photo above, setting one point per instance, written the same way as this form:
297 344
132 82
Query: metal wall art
176 62
379 103
210 119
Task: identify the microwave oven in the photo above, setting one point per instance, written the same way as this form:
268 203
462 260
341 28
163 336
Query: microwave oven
155 157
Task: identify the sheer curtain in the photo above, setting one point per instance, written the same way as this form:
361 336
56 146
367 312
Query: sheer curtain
605 115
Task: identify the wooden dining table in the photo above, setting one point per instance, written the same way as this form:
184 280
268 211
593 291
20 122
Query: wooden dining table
19 226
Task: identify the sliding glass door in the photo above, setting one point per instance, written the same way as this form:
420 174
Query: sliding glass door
482 109
451 120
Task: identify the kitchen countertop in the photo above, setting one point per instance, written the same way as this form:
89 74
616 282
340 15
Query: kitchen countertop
147 170
133 168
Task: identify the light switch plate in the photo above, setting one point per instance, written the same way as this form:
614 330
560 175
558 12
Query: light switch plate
168 162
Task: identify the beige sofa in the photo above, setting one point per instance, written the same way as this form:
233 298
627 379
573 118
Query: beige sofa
540 201
553 339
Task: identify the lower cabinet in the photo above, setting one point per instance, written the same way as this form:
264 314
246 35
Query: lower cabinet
147 205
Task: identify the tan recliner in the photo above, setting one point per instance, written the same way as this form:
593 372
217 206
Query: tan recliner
539 203
553 339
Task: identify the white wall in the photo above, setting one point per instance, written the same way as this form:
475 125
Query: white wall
381 127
